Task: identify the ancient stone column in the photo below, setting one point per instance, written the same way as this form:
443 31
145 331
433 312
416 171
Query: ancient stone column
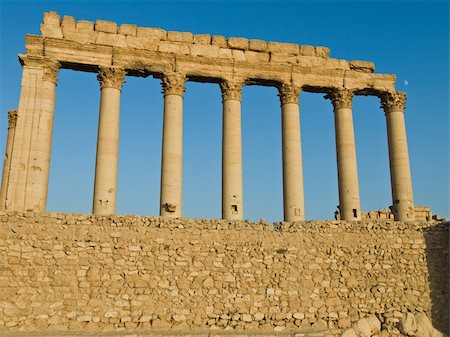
27 183
105 187
232 193
294 205
349 202
172 146
12 119
401 185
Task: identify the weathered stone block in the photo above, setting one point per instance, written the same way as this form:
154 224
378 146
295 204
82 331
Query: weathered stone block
80 35
204 50
174 47
280 47
152 33
142 43
238 55
256 57
202 38
34 44
237 43
51 31
185 37
115 40
322 52
84 24
219 40
225 53
307 50
127 29
51 19
363 66
257 45
283 58
106 26
68 21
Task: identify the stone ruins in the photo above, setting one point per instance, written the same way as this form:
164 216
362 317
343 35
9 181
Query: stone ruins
176 57
103 274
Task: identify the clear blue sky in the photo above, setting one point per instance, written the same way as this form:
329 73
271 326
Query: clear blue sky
409 39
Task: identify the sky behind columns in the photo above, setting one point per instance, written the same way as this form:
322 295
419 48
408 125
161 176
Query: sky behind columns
409 39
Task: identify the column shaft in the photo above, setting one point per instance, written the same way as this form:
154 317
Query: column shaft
401 183
349 202
293 194
12 118
27 183
172 147
232 193
105 186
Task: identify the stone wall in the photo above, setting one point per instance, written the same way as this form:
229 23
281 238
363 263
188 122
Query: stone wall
84 272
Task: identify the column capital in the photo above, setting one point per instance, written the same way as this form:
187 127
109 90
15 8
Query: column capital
173 84
393 101
111 77
12 119
340 98
49 66
288 93
231 89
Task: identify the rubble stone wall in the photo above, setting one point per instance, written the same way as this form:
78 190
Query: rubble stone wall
84 272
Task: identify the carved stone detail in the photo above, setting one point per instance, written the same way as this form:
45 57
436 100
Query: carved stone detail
288 93
340 98
111 77
12 119
393 101
231 90
173 84
51 69
49 66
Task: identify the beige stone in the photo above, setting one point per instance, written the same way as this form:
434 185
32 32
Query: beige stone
204 50
307 50
202 38
51 19
127 29
232 190
219 40
84 24
349 204
184 37
237 43
258 45
279 47
152 33
105 186
172 146
106 26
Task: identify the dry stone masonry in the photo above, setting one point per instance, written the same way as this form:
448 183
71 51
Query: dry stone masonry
114 52
108 275
72 272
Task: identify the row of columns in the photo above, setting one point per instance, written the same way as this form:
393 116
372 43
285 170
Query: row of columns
15 191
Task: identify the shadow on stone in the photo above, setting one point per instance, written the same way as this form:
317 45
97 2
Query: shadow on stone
437 247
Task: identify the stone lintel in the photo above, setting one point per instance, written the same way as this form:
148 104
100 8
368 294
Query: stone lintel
315 73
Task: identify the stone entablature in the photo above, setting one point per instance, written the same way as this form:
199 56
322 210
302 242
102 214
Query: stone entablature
175 58
144 51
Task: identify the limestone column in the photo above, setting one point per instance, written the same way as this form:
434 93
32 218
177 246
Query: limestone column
294 206
12 119
105 187
232 192
401 184
27 183
172 146
349 202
